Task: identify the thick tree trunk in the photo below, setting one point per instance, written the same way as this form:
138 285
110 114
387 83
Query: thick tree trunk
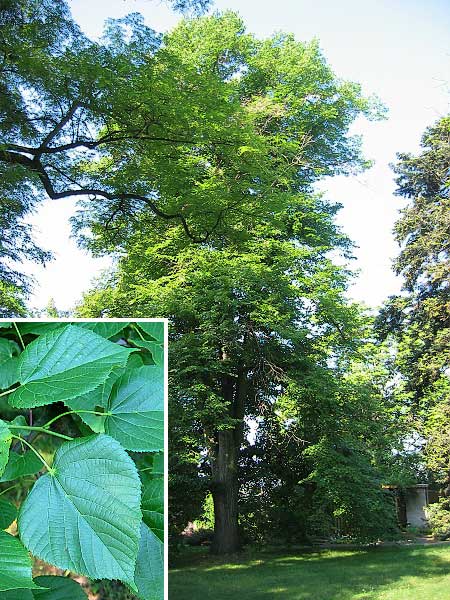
225 494
224 470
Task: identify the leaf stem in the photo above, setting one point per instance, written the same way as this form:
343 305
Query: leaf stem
19 335
134 326
9 489
9 391
76 412
41 430
12 487
41 458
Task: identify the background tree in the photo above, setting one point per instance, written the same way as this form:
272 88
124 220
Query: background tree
65 101
321 458
419 320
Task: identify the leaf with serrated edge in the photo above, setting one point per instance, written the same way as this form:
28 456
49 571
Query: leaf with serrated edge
135 410
91 522
59 588
39 328
8 513
153 504
106 329
63 364
155 330
5 443
7 349
20 465
9 373
149 576
15 565
158 464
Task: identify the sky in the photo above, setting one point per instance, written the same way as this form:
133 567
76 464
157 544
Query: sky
396 49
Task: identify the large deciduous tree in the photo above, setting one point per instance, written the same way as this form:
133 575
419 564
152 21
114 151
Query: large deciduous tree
257 305
66 105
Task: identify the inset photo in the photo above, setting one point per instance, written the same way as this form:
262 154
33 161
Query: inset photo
82 444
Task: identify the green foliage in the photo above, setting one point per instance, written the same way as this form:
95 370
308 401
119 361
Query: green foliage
15 565
257 307
418 322
53 588
97 505
90 512
58 588
62 364
8 513
234 121
438 515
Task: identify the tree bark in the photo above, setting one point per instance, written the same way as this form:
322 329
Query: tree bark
225 492
225 469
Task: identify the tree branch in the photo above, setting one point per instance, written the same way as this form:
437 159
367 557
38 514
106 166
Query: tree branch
56 130
35 165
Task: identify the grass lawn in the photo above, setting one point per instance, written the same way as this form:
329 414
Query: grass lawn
390 573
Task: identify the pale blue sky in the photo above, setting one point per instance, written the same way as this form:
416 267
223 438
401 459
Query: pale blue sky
397 49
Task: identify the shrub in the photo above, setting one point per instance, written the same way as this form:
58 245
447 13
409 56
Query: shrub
439 518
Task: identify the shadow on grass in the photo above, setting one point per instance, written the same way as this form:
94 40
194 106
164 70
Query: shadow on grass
322 575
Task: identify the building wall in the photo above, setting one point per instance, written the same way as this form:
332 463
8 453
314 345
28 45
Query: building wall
416 499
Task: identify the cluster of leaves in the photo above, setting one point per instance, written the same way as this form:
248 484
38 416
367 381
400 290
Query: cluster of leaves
194 129
98 509
322 456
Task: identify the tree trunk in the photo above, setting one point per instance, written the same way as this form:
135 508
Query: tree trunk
224 469
225 494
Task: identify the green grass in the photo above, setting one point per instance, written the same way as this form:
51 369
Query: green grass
390 573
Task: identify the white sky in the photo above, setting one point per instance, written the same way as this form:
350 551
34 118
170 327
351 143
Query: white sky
397 49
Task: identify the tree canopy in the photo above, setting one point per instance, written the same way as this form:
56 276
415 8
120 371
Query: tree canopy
200 127
419 320
261 327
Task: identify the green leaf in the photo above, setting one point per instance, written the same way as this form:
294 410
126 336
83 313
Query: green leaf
9 372
158 464
106 329
21 421
98 398
135 408
59 588
18 595
5 443
39 328
8 363
20 465
15 564
135 361
63 364
8 513
7 349
155 330
149 576
92 516
155 349
153 504
5 324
